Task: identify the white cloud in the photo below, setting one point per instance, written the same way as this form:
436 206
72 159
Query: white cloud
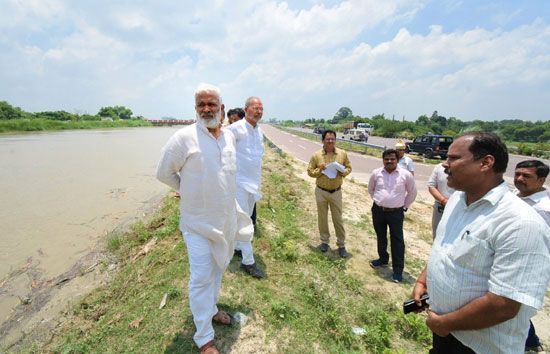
304 60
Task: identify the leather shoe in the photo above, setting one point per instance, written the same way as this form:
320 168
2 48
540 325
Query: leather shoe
397 277
377 263
342 252
324 247
253 270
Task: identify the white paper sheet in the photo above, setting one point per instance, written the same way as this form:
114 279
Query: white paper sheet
332 169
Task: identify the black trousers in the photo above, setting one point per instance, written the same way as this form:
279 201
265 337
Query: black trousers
449 345
381 220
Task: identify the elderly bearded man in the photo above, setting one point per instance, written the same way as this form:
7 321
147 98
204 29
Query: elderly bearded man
488 269
199 162
250 149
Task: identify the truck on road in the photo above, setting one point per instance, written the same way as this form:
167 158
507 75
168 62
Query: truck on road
367 127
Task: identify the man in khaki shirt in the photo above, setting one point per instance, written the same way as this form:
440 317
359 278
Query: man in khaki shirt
328 192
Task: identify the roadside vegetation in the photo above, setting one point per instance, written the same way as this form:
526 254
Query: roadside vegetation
309 302
523 137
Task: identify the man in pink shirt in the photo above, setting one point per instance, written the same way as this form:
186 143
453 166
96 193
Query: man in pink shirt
393 190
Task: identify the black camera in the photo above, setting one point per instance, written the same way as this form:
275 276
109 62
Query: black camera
411 306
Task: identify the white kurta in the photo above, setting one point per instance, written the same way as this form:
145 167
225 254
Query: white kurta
250 150
203 169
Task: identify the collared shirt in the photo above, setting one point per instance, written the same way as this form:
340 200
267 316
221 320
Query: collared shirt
250 149
541 203
406 163
321 157
438 180
495 244
202 168
392 190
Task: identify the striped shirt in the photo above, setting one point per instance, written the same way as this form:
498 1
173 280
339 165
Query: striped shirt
495 244
321 157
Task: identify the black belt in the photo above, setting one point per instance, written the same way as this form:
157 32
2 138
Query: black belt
329 190
388 210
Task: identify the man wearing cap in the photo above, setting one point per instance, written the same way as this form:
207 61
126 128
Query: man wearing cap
404 161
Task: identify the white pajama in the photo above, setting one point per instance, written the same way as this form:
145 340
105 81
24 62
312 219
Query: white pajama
246 201
204 285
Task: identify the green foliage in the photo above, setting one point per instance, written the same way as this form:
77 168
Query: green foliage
344 113
116 112
9 112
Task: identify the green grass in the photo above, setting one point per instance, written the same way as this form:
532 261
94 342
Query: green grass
308 302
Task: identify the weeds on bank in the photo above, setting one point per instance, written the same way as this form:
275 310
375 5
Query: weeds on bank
307 303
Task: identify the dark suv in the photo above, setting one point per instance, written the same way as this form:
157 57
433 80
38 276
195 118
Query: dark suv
318 130
430 145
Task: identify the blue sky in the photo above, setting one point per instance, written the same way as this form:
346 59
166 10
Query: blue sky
487 60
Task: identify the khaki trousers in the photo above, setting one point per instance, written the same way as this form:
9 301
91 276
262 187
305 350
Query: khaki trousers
334 201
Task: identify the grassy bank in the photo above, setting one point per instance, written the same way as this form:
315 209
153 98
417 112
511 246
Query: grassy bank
308 303
26 125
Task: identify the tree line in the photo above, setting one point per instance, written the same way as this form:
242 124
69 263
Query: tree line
511 130
8 112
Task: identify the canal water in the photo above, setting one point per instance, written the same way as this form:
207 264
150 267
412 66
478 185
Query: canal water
61 193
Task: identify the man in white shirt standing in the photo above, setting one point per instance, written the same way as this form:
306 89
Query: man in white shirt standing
484 275
250 149
529 178
404 161
199 162
438 188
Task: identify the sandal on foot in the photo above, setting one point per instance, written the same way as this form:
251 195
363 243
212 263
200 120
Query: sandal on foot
223 318
209 348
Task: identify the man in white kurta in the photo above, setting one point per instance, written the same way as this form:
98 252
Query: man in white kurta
250 149
199 162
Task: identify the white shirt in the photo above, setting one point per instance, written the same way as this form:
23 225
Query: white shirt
438 180
250 149
406 163
495 244
202 168
541 203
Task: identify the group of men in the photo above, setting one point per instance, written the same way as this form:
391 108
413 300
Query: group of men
217 171
488 270
393 190
490 262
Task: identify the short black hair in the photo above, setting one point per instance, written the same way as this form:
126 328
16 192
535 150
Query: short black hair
238 111
485 143
327 131
542 169
389 152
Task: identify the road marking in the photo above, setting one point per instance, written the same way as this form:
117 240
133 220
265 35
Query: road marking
300 146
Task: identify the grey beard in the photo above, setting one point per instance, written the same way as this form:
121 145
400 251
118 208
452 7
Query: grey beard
210 123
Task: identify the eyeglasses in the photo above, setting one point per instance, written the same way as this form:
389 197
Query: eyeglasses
330 139
257 108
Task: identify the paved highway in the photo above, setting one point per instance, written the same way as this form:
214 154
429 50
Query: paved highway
390 142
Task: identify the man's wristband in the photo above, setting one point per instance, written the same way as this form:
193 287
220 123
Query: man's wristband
444 200
423 283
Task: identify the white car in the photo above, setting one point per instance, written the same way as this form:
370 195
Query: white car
355 134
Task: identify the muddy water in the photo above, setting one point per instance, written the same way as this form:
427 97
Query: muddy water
62 192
